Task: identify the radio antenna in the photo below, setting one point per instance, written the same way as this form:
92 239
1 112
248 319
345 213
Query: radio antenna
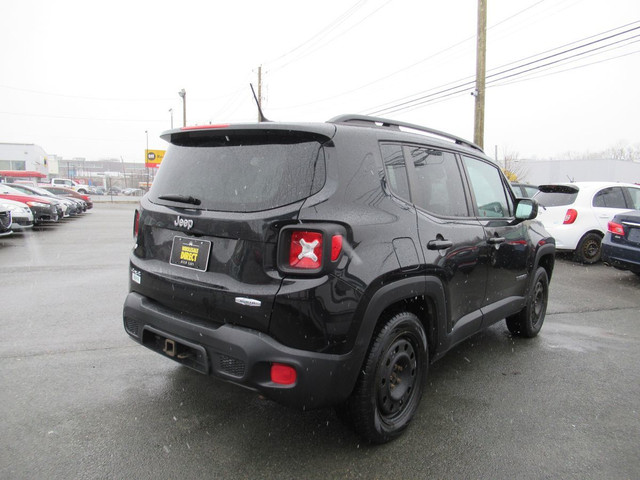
261 117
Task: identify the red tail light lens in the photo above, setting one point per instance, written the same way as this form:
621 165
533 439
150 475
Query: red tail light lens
615 228
312 249
283 374
305 250
136 223
336 247
570 216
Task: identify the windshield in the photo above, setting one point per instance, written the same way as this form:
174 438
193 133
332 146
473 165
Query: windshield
242 172
7 190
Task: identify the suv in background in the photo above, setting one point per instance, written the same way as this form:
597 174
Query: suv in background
577 214
330 263
71 184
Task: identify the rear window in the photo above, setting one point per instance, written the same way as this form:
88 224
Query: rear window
556 195
242 172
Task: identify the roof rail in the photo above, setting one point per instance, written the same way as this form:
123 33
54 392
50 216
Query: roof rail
385 122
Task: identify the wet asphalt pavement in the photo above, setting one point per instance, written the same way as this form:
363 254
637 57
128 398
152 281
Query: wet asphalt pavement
81 400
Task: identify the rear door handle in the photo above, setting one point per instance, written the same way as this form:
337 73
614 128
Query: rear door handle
439 244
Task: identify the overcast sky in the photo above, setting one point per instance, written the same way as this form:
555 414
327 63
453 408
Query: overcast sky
88 79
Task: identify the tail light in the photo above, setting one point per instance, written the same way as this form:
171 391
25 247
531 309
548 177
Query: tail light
615 228
570 216
310 249
136 223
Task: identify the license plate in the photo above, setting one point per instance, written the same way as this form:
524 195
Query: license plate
190 253
634 235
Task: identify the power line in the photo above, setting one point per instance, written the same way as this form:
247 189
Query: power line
334 24
469 80
495 83
457 87
412 65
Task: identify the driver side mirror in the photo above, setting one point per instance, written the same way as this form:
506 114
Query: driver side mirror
526 209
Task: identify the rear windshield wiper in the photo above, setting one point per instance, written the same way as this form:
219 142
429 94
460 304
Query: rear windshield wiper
181 198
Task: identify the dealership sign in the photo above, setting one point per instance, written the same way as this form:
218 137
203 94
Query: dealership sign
153 158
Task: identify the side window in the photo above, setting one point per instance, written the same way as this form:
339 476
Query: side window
634 194
612 197
439 183
486 182
395 169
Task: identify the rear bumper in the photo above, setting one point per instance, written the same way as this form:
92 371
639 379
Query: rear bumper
621 256
240 355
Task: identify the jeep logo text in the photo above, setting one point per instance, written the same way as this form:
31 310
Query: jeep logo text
183 222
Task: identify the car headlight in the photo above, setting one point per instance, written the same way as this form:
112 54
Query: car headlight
38 204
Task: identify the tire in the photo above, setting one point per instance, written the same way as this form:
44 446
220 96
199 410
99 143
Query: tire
388 390
589 249
528 321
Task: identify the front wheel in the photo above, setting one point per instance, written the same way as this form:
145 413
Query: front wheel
528 321
390 384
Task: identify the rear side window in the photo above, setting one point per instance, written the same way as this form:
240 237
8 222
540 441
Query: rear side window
634 194
610 198
395 169
244 172
440 189
556 196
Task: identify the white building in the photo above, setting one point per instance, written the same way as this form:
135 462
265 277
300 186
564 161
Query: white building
23 156
540 172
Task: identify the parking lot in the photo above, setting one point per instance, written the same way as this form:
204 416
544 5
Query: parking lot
81 400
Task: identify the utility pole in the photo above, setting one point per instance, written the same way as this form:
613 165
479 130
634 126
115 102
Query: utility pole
481 67
260 93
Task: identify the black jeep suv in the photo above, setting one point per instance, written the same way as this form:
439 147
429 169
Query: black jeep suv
330 263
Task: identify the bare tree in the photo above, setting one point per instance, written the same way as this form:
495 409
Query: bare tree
513 169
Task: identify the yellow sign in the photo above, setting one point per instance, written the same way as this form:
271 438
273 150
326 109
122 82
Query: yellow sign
153 158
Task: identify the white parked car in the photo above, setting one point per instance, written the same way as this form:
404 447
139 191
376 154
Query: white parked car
21 215
576 214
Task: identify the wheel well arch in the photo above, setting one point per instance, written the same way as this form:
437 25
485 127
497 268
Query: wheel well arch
596 231
546 259
424 297
422 307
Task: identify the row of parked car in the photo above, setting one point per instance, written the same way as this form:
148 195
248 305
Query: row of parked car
593 220
23 206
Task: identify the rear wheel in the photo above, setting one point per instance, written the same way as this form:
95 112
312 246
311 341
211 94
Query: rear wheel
390 384
528 321
589 249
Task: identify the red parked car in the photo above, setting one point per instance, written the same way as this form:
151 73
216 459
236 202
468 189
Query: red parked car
67 192
43 210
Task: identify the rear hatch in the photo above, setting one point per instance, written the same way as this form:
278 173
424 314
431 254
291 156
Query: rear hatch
555 201
208 228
